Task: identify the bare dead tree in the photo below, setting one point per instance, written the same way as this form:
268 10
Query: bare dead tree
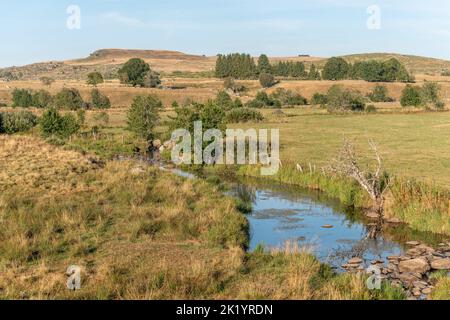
375 181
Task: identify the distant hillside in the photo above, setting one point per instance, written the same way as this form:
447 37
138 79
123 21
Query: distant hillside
109 61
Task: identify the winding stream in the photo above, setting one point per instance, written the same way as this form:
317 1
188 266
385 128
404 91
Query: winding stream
318 224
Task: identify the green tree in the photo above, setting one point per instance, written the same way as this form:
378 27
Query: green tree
380 94
42 99
95 78
51 122
431 95
264 64
144 115
99 100
224 100
411 96
340 99
134 72
13 122
22 98
267 80
314 74
335 69
69 98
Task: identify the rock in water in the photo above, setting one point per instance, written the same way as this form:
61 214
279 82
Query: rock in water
418 265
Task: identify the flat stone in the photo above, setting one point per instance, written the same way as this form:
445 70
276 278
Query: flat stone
416 293
355 261
377 261
327 226
418 265
441 264
372 215
420 284
394 221
412 243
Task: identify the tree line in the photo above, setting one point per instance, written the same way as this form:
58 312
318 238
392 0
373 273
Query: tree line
243 66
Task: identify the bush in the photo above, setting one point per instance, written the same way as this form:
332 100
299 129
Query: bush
69 98
53 124
47 81
224 101
152 80
42 99
289 98
319 99
143 115
411 96
371 108
243 115
99 100
134 72
431 95
380 94
340 99
13 122
267 80
102 119
262 100
335 69
22 98
95 78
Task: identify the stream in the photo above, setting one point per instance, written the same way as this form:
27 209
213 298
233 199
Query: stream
317 224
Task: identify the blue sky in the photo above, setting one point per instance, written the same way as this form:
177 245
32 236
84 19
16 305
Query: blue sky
33 31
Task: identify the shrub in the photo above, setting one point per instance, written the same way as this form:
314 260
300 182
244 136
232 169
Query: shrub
445 73
319 99
42 99
22 98
431 95
411 96
380 94
340 99
47 81
371 108
13 122
99 100
224 101
134 72
289 98
243 115
335 69
152 80
69 98
102 118
143 115
95 78
262 100
81 116
53 124
267 80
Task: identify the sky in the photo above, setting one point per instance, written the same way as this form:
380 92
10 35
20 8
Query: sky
35 31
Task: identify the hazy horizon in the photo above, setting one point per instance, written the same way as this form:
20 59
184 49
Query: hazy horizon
36 32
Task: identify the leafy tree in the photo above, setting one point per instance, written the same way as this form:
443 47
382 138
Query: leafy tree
411 96
99 100
314 74
431 95
143 115
22 98
47 81
340 99
152 80
224 100
69 126
134 72
69 98
380 94
264 64
267 80
95 78
262 100
42 99
53 124
335 69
